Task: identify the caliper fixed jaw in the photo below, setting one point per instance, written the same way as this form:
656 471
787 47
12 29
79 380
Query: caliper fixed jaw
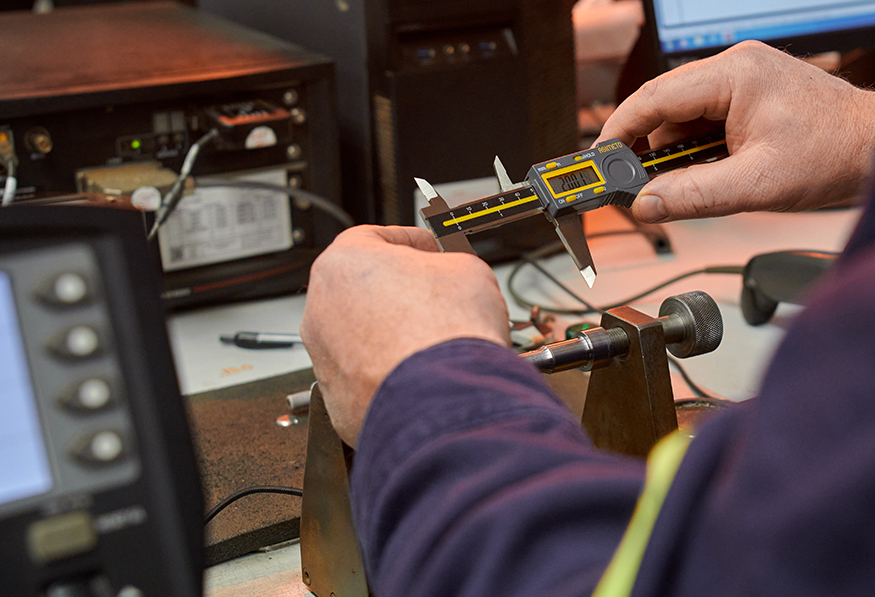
437 205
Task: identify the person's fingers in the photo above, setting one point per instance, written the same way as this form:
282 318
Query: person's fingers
677 97
669 133
411 236
416 238
702 191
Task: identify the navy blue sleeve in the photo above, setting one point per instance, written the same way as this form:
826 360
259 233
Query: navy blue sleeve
472 478
778 498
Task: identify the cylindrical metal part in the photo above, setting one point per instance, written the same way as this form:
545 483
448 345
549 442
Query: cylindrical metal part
591 349
692 324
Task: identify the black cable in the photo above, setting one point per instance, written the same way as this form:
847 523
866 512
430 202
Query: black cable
173 196
249 491
735 270
718 269
316 201
545 251
558 283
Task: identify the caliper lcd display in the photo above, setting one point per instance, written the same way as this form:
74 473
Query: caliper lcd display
561 181
574 180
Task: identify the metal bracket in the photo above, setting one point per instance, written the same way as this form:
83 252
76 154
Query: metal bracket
331 559
629 404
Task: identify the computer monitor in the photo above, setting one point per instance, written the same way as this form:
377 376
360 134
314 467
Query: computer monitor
685 30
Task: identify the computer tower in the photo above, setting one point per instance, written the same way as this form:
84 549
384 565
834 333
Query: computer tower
434 89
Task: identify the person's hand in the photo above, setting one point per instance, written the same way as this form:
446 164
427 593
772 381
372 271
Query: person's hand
378 295
798 138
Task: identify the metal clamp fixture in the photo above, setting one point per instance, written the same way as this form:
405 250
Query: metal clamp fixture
629 403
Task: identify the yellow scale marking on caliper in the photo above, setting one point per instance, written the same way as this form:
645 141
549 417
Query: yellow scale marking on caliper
683 153
477 214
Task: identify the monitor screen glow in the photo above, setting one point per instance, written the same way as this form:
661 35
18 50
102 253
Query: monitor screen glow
685 26
24 463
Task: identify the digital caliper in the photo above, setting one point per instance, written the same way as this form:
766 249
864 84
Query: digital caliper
608 174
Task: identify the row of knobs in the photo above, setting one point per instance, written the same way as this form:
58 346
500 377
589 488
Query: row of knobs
78 344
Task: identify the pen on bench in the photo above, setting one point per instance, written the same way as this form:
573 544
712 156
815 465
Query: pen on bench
261 340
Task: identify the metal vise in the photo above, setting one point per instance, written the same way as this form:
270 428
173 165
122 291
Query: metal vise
629 402
629 407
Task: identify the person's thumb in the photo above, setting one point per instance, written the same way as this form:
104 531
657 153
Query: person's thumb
701 191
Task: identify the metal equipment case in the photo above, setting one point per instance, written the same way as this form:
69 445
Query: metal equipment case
110 97
99 492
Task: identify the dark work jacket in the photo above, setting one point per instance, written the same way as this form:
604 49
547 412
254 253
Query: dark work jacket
472 479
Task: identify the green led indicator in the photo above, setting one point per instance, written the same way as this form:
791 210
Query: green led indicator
135 144
572 330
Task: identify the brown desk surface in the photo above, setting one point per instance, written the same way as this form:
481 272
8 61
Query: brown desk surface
239 444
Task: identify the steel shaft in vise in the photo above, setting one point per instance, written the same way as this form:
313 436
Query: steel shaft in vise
629 403
688 324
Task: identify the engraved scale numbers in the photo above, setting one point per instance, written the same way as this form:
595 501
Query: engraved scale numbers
681 147
470 212
471 216
674 156
500 204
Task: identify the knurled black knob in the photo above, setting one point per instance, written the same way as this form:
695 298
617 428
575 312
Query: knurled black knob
692 324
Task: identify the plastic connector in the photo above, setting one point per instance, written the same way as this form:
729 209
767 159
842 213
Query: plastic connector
7 147
8 161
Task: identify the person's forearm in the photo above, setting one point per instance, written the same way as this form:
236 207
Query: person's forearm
471 478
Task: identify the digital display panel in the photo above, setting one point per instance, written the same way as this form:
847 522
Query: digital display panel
24 463
565 183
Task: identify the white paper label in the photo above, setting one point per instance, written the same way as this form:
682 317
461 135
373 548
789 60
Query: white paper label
260 136
213 225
